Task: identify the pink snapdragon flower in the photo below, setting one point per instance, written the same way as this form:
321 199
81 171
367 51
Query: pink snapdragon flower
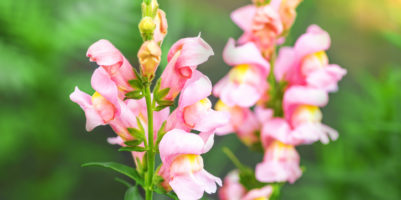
182 167
194 109
243 122
302 122
113 62
280 164
307 63
245 83
183 58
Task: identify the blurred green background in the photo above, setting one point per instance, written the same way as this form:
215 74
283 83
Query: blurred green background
43 140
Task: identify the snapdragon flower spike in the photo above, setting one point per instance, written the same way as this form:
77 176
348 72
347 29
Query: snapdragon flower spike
182 167
183 58
280 164
115 64
243 122
245 83
307 63
194 109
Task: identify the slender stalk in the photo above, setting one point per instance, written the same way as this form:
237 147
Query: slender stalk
233 158
150 156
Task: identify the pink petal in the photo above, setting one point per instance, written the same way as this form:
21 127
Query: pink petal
93 119
276 129
116 140
285 63
243 17
263 114
305 95
196 88
186 187
177 142
208 139
103 84
259 193
243 95
244 54
208 181
104 53
314 40
212 120
326 78
194 51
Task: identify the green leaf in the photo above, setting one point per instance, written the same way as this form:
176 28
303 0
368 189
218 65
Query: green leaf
124 182
136 94
135 83
123 169
138 121
133 142
132 194
136 148
138 134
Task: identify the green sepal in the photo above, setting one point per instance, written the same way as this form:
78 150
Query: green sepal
159 108
121 168
159 95
136 94
135 148
134 142
138 76
160 133
133 194
136 84
139 123
138 134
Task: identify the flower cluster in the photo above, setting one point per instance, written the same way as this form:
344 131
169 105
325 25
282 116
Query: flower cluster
142 119
274 101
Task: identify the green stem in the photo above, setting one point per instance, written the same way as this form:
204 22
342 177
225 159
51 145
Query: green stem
150 155
233 158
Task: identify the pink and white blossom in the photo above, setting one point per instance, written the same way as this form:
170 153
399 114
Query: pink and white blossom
182 167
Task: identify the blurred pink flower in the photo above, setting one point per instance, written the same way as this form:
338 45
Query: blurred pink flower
280 164
182 167
232 188
263 193
243 122
307 63
245 83
302 122
261 25
183 58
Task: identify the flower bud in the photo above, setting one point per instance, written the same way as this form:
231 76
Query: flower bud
146 27
149 58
